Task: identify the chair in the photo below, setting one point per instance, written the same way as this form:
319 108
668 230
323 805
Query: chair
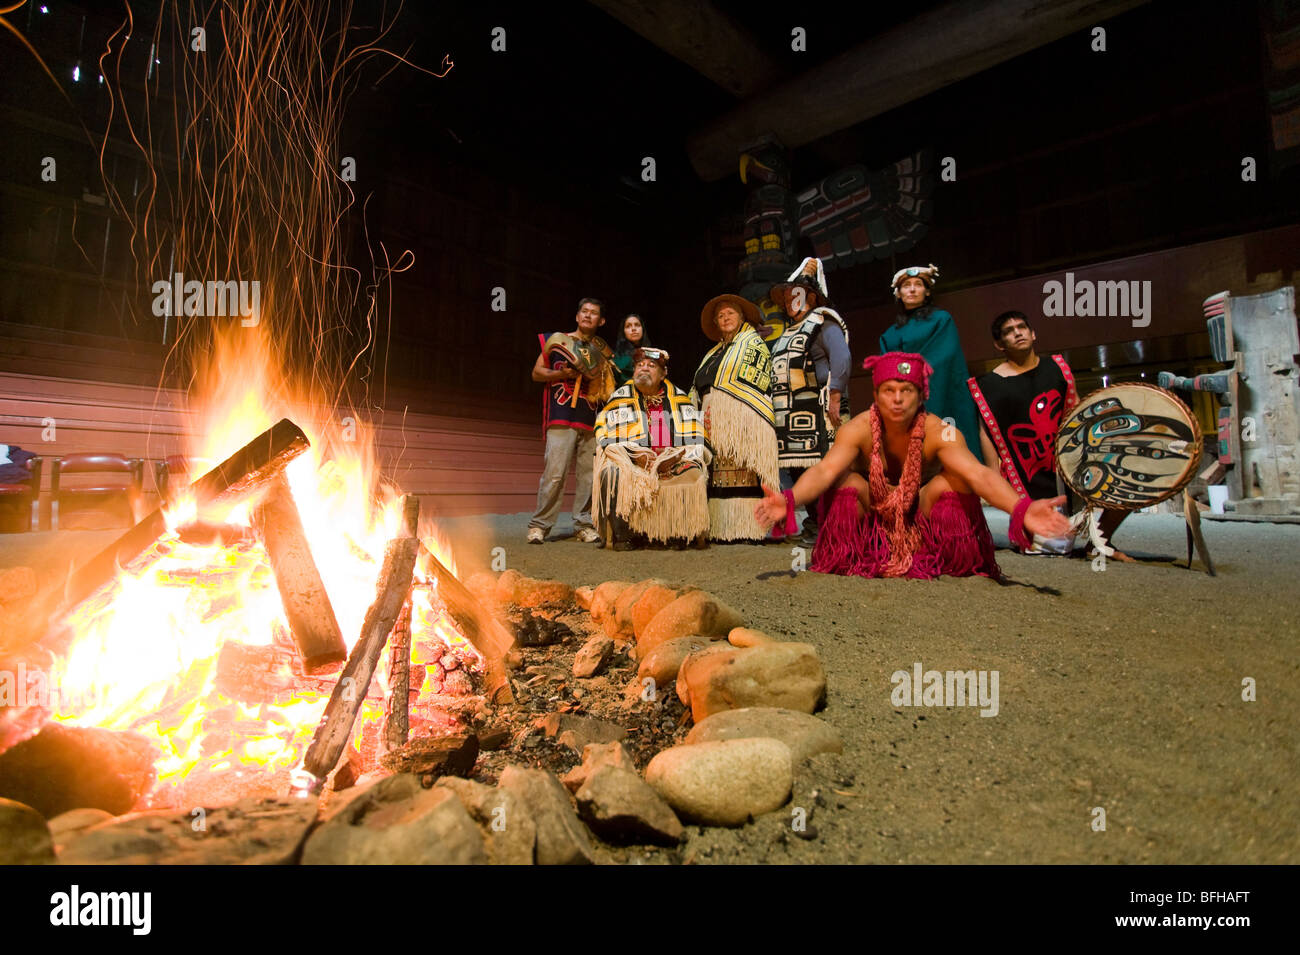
178 466
104 491
20 503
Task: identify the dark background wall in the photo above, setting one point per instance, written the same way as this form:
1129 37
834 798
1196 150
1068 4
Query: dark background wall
521 170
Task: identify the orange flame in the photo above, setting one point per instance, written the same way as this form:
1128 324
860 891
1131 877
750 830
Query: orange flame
146 658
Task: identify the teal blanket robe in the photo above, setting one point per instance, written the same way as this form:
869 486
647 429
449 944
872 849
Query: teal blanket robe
934 337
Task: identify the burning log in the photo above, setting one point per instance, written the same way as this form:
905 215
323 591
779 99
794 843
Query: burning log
254 674
306 605
245 471
395 578
436 757
479 626
204 534
398 724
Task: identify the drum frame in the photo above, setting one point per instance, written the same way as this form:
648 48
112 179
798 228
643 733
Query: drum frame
1197 446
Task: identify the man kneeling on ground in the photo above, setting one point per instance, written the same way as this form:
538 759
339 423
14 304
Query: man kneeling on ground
907 491
1021 403
652 456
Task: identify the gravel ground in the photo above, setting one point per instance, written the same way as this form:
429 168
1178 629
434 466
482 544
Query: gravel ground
1120 690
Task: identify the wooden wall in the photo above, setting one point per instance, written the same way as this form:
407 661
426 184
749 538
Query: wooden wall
1181 279
457 465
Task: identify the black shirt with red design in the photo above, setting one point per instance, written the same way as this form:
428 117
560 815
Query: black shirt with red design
1027 411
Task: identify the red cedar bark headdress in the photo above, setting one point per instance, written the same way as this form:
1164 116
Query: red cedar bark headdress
901 366
657 355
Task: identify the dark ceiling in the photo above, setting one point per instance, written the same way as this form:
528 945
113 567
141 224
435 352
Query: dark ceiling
577 100
577 95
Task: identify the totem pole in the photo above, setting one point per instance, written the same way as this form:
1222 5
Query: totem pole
769 231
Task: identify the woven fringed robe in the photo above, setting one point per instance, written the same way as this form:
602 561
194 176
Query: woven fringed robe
738 407
670 499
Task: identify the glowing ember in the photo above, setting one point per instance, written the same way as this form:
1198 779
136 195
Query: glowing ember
145 653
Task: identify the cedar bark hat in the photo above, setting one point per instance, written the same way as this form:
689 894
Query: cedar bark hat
709 314
810 275
928 274
657 355
900 366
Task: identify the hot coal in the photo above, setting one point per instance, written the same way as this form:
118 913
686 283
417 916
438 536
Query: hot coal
437 756
534 631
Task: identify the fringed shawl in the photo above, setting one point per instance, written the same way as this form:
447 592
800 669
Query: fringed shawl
745 372
624 419
670 499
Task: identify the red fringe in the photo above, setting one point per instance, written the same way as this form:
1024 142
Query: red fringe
874 556
1017 530
957 540
840 535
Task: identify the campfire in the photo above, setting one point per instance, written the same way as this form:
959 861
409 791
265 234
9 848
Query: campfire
242 628
292 624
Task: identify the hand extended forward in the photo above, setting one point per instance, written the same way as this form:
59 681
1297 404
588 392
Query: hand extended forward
1043 519
771 509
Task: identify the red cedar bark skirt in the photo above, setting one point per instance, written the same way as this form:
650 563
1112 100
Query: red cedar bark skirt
955 539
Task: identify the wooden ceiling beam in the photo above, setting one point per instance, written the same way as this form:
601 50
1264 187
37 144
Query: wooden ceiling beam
899 66
704 38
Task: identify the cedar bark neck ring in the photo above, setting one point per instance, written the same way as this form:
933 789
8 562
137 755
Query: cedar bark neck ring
246 471
306 603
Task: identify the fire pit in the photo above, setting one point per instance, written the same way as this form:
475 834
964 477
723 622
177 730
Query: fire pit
290 641
241 632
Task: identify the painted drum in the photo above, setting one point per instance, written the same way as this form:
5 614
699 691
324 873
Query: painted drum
1128 446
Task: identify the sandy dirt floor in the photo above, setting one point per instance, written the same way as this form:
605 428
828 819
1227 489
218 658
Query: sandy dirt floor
1119 689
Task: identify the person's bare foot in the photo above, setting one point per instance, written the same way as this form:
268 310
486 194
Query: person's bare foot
1118 555
1091 554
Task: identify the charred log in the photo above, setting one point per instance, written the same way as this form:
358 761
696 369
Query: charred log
437 756
206 534
247 470
394 586
478 624
306 604
255 674
397 725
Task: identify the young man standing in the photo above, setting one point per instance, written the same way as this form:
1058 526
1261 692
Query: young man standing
569 417
1021 403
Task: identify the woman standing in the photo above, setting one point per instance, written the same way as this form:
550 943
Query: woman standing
922 329
630 337
731 389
